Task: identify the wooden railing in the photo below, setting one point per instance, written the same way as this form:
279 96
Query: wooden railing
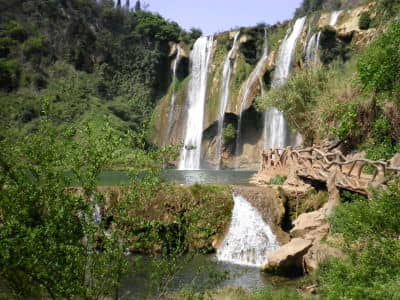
318 164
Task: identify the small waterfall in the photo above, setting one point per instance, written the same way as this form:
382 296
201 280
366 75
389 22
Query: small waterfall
173 97
200 58
312 50
275 129
97 214
226 78
253 78
335 17
249 238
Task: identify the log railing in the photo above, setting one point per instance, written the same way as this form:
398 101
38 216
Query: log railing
318 164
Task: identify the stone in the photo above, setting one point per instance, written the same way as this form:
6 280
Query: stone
307 223
317 254
395 161
288 259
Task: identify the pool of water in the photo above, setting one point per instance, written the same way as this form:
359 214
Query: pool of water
233 177
199 273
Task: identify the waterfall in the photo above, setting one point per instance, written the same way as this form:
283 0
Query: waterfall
313 43
312 49
275 129
200 58
97 214
173 97
335 17
249 238
224 98
254 76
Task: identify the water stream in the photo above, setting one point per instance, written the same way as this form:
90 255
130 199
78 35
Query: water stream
253 78
249 238
173 97
200 58
226 78
276 129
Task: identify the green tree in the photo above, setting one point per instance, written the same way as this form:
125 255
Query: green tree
48 238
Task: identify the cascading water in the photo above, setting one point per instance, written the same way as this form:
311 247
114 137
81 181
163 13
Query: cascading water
312 49
275 130
249 238
335 17
173 97
226 78
200 58
313 43
254 76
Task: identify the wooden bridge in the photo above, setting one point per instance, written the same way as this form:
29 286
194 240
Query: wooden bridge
318 164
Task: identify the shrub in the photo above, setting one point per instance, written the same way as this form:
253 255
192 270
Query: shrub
365 21
10 71
379 66
370 231
16 31
34 47
278 180
229 133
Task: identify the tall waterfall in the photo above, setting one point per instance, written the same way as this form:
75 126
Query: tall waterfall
312 49
249 238
275 129
200 58
253 78
224 98
335 17
313 43
173 97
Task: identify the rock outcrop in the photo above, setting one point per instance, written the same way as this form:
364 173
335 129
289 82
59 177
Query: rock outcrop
289 258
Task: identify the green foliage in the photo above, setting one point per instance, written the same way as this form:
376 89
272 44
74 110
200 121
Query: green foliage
331 47
308 6
346 122
229 133
16 31
10 71
365 21
156 27
379 66
34 47
48 238
278 180
380 144
370 230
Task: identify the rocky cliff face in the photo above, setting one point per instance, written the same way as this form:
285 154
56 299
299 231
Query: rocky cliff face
244 60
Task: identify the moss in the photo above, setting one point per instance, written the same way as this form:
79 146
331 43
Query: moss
276 34
214 78
175 206
240 75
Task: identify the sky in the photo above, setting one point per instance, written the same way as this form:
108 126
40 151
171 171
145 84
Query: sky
213 16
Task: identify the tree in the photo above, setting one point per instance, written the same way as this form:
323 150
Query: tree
48 239
138 6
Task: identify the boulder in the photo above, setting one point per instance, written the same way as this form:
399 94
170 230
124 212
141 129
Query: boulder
309 224
288 259
317 254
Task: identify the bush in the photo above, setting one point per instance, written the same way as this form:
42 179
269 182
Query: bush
365 21
16 31
34 48
379 66
229 133
278 180
370 231
10 71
